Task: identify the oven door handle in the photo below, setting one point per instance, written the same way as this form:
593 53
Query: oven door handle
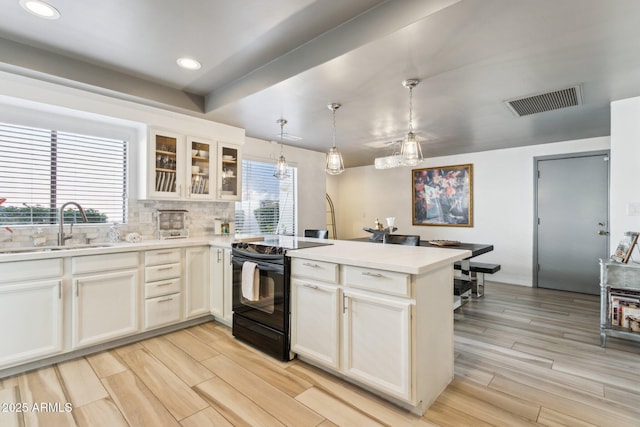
261 266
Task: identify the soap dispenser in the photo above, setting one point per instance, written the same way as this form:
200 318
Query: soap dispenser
114 233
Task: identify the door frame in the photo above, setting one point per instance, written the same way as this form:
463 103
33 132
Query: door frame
536 161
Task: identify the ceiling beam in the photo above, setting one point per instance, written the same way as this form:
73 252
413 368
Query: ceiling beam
376 23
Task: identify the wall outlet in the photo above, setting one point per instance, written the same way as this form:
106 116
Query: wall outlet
146 217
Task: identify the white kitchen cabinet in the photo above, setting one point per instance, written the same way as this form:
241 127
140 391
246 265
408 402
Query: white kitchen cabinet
163 287
105 306
197 281
31 315
201 170
315 321
221 283
377 338
166 165
182 167
229 172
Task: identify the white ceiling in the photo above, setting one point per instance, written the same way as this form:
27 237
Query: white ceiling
263 60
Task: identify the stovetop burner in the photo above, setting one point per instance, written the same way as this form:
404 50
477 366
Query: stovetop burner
276 246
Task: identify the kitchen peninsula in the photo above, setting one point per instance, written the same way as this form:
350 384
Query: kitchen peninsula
378 315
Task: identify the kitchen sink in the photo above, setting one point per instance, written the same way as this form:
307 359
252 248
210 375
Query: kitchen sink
53 248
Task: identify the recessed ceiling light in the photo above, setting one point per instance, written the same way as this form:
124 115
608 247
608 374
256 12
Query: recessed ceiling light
40 9
189 63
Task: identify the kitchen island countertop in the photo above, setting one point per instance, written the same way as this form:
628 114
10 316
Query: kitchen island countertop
400 258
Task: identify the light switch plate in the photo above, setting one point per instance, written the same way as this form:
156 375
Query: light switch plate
633 209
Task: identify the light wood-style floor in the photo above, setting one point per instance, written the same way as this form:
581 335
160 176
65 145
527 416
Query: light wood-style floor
523 357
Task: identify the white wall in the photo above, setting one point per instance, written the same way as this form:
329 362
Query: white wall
503 202
311 178
625 164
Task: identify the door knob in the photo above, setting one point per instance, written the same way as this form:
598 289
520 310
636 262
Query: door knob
603 233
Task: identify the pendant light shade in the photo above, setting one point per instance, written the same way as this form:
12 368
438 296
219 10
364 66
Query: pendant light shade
281 170
411 152
334 165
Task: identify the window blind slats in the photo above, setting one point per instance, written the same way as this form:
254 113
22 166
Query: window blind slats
268 204
43 169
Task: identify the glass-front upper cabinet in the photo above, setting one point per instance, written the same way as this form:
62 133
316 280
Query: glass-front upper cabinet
202 154
229 172
166 169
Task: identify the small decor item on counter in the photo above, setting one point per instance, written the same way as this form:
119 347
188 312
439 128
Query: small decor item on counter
39 238
391 220
114 233
377 225
133 238
625 247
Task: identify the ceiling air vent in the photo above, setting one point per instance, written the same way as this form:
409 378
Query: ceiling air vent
562 98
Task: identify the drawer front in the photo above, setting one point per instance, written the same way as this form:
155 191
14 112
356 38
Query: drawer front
161 272
162 256
107 262
162 310
162 287
20 271
388 282
318 270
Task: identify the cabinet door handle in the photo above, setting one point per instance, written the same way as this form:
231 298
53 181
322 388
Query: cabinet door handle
308 264
163 284
344 303
165 300
163 253
368 273
307 285
165 268
219 253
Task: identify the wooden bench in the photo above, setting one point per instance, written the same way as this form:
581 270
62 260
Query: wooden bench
477 271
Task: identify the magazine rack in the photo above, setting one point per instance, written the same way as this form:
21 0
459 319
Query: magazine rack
618 282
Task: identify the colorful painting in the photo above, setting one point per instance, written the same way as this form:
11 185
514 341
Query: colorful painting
443 196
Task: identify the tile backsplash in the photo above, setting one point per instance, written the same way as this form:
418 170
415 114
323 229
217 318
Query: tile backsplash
141 220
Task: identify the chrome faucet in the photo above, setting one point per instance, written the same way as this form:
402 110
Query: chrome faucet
61 237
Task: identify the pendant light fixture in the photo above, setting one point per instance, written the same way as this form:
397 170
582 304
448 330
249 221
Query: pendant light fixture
282 169
334 165
411 152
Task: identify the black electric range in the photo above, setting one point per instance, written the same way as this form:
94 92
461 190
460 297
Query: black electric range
261 314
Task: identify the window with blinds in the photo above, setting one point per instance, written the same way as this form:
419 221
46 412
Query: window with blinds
268 204
42 169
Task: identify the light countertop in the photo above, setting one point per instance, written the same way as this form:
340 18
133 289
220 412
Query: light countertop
401 258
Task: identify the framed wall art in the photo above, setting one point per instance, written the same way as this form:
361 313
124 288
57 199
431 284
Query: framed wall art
443 196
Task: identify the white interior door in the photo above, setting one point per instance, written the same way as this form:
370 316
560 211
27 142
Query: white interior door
572 221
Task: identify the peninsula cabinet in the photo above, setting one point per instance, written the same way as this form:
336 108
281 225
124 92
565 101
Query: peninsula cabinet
388 331
315 328
375 327
377 341
105 297
30 310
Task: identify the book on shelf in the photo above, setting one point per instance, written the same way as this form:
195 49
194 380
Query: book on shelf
625 247
618 299
628 313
